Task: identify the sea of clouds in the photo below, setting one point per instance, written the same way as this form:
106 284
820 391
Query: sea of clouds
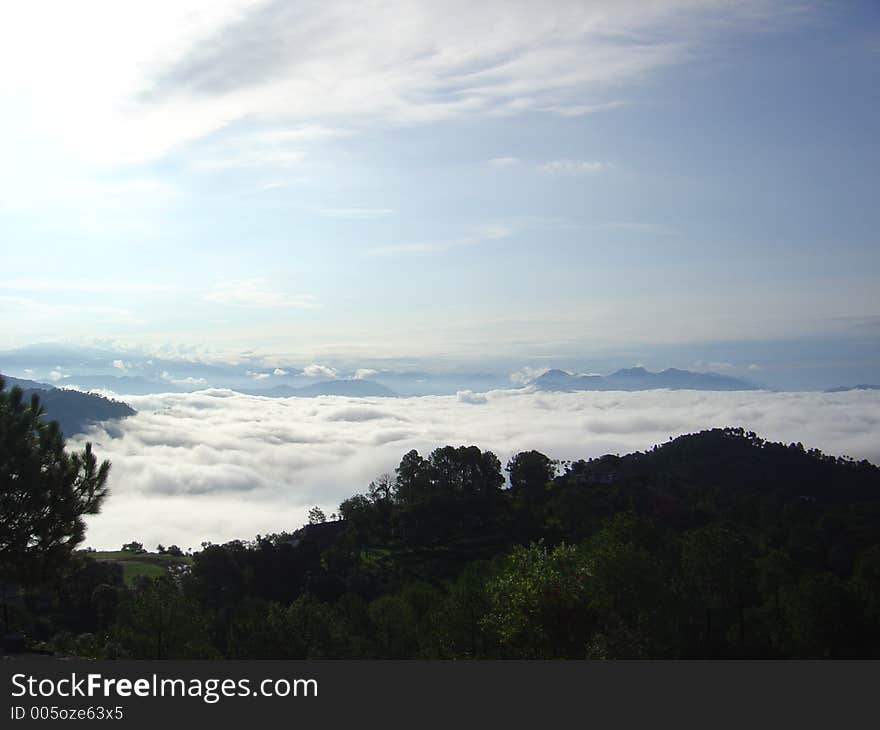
218 465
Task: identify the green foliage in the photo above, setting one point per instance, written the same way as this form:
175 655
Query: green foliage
44 492
157 621
716 544
539 603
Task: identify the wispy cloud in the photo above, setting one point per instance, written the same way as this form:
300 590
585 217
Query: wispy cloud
85 286
185 70
41 311
479 235
263 148
257 293
637 227
504 162
574 167
580 110
358 213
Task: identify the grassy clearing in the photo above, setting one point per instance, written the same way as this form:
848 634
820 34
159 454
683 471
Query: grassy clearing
135 565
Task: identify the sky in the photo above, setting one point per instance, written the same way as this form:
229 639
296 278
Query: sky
219 465
507 184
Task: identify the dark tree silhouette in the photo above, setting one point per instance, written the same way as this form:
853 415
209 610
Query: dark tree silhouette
44 491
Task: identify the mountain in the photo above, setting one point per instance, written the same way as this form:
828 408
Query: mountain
73 410
734 460
351 388
640 379
846 388
124 384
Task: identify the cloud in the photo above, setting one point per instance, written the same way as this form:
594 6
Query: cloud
364 373
478 235
220 465
319 371
358 214
120 365
189 380
468 396
527 375
257 294
86 286
187 71
702 366
504 162
56 374
574 167
257 376
279 372
637 227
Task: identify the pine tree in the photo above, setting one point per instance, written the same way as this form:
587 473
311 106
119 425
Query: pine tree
44 491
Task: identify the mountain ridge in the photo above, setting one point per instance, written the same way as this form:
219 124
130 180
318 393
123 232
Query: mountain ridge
638 378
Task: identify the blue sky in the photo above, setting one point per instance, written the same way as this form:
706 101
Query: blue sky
583 185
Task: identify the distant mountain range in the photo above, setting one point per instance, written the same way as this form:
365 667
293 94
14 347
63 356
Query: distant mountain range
127 372
351 388
73 410
641 379
845 388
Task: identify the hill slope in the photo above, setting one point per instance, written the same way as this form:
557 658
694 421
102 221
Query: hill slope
73 410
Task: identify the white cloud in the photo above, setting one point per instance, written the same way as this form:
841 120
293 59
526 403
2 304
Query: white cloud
358 214
478 235
504 162
754 367
574 167
319 371
188 381
280 372
120 365
220 465
258 376
185 69
364 373
526 375
56 374
468 396
87 286
257 294
637 227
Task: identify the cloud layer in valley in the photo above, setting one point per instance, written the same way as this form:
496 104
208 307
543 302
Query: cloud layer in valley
217 465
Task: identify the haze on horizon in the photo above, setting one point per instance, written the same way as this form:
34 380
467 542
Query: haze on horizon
587 185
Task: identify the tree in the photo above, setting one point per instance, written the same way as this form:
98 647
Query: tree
316 516
529 473
44 491
138 547
381 488
158 621
395 623
539 604
718 570
412 478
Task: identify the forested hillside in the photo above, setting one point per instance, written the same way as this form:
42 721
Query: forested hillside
73 409
716 544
